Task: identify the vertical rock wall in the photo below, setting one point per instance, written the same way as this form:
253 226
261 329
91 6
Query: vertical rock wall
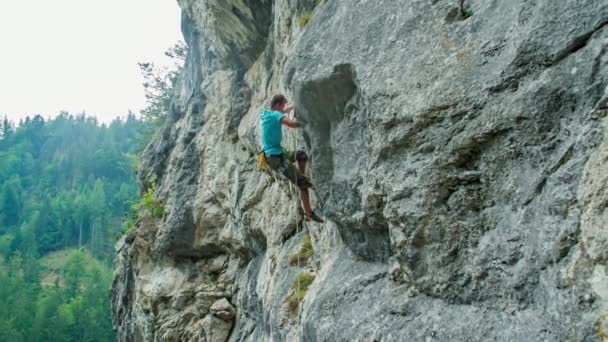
458 151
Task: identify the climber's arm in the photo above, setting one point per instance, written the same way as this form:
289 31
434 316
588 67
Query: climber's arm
290 123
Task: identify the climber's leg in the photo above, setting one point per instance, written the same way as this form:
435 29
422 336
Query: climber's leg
304 185
301 158
285 166
305 199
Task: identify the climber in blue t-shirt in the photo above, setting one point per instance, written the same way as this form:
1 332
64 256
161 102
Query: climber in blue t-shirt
279 161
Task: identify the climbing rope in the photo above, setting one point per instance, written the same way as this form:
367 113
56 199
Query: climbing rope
293 146
293 143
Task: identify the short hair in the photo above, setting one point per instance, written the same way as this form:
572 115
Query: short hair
277 100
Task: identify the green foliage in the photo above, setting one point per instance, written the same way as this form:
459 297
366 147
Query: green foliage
304 254
129 220
133 160
78 310
305 18
212 278
299 287
159 86
150 202
147 203
64 183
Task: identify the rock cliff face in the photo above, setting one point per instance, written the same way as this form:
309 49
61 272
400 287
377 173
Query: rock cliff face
459 152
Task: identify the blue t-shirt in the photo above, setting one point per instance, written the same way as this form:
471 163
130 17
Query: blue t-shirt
271 131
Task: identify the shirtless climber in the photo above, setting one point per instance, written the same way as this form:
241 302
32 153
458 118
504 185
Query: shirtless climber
278 159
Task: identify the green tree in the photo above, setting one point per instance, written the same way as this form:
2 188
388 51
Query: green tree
159 86
6 130
64 184
10 203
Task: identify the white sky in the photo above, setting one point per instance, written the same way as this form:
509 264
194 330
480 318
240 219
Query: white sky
77 55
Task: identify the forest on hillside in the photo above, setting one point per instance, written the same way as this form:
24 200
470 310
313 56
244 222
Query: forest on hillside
65 184
67 192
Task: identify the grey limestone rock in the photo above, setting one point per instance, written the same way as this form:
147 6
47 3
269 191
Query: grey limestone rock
223 309
458 153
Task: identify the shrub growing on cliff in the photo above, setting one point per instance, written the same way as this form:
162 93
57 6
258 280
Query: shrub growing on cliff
299 287
148 202
151 203
159 86
303 254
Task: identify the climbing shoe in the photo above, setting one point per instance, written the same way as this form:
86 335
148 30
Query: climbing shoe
314 217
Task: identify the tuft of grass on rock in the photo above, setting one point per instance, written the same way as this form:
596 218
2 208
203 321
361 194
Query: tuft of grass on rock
303 254
601 330
212 278
305 18
299 287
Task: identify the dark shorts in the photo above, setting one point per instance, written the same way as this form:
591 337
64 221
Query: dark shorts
283 165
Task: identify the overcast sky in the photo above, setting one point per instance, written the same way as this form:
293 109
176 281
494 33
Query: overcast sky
77 55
